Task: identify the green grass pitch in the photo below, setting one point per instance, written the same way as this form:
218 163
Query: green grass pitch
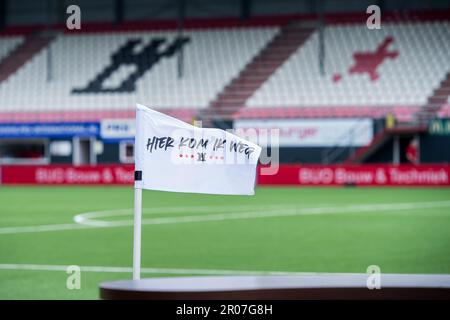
278 229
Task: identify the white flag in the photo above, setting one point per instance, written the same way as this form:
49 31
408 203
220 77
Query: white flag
175 156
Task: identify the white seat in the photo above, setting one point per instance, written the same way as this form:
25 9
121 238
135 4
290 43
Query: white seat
212 59
408 79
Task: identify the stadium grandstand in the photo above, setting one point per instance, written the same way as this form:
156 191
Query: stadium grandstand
353 93
189 67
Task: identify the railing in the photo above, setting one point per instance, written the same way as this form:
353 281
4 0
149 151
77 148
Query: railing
427 113
329 155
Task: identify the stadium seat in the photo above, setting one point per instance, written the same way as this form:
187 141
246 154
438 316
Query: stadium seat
209 63
406 70
396 69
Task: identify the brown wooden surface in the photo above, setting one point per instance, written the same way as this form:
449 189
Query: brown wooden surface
339 286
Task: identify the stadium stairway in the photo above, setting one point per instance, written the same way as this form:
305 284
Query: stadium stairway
23 53
379 140
257 71
435 102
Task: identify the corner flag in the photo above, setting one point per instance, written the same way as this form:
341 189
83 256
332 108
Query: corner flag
175 156
171 155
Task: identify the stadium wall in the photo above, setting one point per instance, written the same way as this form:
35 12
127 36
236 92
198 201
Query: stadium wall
435 148
305 141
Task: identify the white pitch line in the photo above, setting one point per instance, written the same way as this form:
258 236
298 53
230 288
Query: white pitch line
43 228
87 218
102 269
332 279
281 211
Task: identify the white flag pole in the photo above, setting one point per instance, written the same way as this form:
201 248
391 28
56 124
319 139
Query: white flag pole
137 200
137 234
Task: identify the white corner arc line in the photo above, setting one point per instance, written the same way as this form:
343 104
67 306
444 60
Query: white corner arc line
85 221
281 211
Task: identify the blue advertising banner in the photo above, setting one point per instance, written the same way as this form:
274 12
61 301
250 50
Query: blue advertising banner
49 130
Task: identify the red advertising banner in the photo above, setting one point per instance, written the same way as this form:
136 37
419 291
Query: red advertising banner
67 174
361 175
302 175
